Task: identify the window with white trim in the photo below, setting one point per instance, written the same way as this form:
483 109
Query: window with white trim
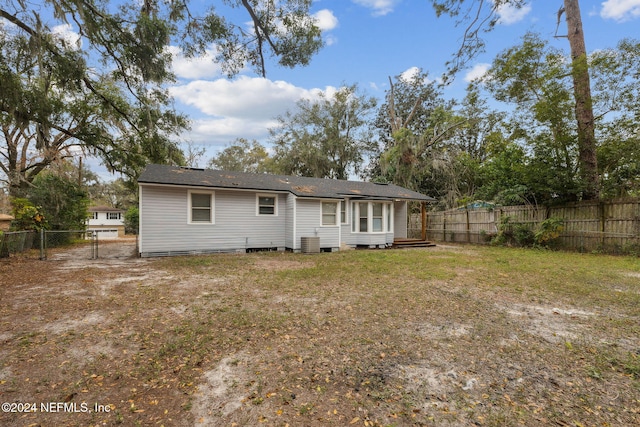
343 212
369 217
200 207
114 215
329 213
377 215
267 204
363 211
94 215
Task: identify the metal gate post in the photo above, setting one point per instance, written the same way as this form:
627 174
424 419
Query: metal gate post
95 240
43 254
93 245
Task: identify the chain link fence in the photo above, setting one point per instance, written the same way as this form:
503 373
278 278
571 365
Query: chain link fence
18 242
42 244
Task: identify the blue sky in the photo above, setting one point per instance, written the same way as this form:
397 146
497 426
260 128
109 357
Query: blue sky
366 42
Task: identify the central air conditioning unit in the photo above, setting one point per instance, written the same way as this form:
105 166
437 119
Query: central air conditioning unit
310 245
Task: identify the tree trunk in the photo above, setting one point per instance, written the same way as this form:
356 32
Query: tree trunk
583 107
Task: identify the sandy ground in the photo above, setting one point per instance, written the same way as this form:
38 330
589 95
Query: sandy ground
153 345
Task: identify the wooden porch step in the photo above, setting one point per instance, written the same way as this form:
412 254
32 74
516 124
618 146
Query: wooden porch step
412 243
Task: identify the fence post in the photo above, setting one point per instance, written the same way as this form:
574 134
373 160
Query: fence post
42 252
603 223
4 248
468 228
94 244
423 214
444 226
636 223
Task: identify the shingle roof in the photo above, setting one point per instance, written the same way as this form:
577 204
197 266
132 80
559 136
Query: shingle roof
300 186
103 209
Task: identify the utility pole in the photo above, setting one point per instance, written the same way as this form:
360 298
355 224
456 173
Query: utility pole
80 172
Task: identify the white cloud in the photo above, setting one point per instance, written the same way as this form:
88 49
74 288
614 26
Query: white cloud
244 107
4 24
508 14
330 40
410 74
194 68
241 97
325 20
70 38
380 7
477 72
620 10
222 131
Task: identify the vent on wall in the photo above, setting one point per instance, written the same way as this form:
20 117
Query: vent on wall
310 245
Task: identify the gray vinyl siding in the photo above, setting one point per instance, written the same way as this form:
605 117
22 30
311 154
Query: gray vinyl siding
290 227
370 239
345 229
308 224
164 227
348 238
400 219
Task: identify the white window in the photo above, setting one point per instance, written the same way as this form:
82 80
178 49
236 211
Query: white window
267 204
200 207
378 217
114 215
369 217
94 215
363 209
343 212
329 213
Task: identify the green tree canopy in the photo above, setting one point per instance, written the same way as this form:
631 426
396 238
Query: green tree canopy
105 91
63 202
481 16
243 156
536 79
414 119
329 137
616 77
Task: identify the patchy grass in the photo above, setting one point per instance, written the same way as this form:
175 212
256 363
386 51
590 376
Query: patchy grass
442 336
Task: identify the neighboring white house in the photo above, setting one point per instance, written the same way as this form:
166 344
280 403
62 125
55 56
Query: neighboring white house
107 222
190 211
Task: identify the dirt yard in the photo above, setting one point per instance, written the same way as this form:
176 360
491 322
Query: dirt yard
445 336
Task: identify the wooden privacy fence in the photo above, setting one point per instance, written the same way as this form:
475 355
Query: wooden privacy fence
588 226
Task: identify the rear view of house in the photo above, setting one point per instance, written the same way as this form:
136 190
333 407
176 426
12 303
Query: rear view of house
191 211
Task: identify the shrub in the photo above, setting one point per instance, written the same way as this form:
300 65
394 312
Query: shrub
132 220
63 201
513 233
27 216
518 234
549 231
